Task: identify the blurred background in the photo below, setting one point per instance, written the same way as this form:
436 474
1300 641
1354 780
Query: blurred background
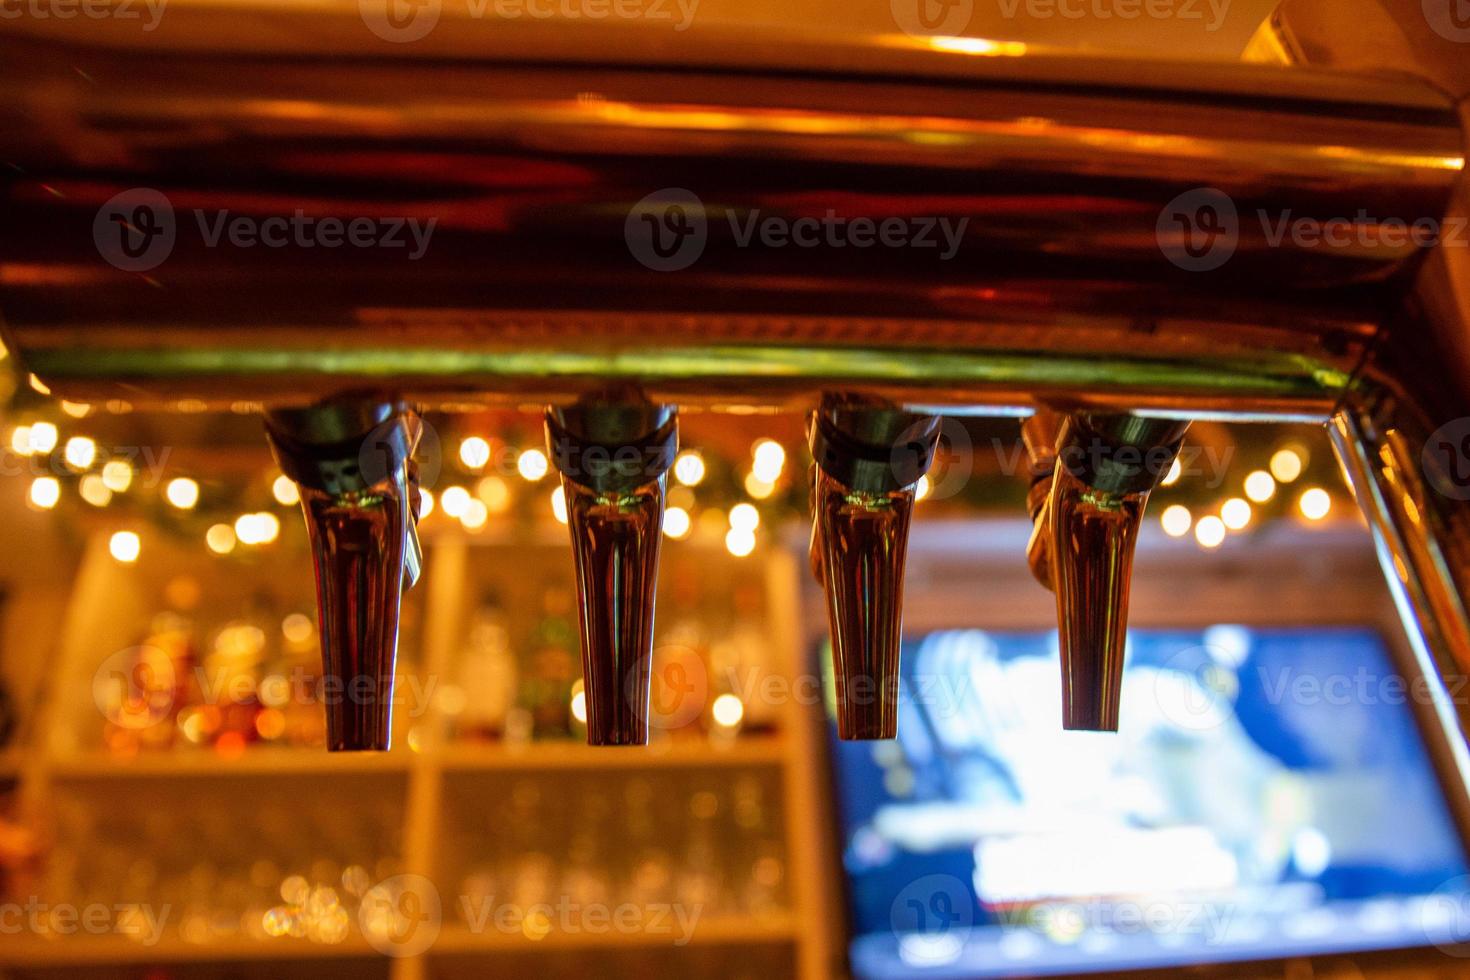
1273 805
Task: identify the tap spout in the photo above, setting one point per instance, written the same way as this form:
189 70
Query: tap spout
614 455
868 463
353 463
1086 529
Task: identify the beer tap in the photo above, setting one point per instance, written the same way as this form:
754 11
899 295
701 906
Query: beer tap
1086 515
613 454
869 459
352 460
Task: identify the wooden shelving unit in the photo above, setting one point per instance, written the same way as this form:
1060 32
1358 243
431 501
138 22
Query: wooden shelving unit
69 768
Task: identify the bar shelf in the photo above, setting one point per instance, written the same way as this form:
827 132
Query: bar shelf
67 774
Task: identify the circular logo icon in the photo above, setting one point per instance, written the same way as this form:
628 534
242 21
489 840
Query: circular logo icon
954 458
1195 690
1446 459
932 918
401 916
379 450
400 21
1198 230
1445 917
134 688
666 230
678 688
1450 19
135 230
932 18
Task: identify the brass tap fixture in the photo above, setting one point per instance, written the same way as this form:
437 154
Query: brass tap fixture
868 461
352 461
614 457
1087 513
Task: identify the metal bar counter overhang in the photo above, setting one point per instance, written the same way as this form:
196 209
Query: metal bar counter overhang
532 157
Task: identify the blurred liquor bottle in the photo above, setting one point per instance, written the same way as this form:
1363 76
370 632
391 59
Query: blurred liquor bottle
681 691
146 686
740 665
554 666
487 675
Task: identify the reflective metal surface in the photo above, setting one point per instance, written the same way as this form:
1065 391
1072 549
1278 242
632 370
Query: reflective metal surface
614 456
351 461
868 461
1086 529
535 159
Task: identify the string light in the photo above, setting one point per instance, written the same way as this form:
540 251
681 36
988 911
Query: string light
922 488
474 452
677 523
284 489
727 710
579 702
94 491
1236 513
559 505
1315 504
20 440
43 437
739 542
80 452
1176 520
1176 470
45 492
426 503
258 528
758 488
125 546
1286 465
770 459
689 468
454 500
744 517
532 465
1260 487
475 515
220 538
495 492
1210 532
182 493
77 410
117 474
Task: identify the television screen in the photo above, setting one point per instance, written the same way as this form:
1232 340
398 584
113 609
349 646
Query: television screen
1268 794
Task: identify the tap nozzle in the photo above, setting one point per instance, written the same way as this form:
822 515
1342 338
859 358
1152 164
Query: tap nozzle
868 462
1087 522
352 462
614 456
